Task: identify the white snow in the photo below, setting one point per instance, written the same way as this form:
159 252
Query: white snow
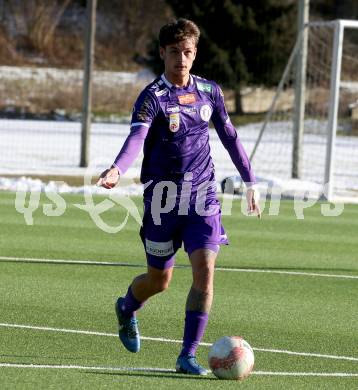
351 86
49 147
73 76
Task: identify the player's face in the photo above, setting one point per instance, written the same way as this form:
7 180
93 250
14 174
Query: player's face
178 59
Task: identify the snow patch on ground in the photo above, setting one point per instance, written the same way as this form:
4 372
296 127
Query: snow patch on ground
51 147
27 184
74 76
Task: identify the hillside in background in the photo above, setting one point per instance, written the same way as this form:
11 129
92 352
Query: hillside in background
50 33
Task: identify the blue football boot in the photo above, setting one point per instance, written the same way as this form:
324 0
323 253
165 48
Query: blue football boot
187 364
128 329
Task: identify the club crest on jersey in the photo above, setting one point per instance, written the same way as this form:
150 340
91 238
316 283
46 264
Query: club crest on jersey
174 122
187 99
205 113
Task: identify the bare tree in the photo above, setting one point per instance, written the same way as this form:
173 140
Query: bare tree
38 20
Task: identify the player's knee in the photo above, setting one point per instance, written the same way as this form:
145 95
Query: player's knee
203 276
160 285
203 284
160 282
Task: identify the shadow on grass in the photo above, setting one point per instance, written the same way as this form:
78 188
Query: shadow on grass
154 374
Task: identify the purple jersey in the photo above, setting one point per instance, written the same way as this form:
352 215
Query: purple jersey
173 123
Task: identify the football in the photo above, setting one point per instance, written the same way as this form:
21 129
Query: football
231 357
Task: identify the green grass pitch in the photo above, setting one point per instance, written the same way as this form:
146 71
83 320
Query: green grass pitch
274 311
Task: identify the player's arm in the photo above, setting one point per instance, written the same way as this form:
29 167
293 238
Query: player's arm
144 111
231 141
129 152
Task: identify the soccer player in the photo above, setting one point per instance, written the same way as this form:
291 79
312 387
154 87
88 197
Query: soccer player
171 119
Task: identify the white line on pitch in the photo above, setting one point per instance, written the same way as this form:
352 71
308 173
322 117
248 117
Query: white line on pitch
167 370
252 270
75 367
164 340
62 261
112 263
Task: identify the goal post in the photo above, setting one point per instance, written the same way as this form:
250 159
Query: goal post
300 88
328 159
339 26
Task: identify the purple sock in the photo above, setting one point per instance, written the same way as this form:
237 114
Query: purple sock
195 325
130 304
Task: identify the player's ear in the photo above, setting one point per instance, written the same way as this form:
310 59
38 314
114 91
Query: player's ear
161 52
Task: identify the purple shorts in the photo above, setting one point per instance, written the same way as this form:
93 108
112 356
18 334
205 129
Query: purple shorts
161 242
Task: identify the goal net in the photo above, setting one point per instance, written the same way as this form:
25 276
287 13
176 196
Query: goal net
315 144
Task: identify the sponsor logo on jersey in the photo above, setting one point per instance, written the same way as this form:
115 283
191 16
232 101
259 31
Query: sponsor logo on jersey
189 110
205 112
159 249
161 92
204 87
187 99
174 121
173 109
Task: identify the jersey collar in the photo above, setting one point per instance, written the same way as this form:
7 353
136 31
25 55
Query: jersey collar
170 85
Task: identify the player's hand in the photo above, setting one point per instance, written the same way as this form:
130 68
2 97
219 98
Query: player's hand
253 197
108 178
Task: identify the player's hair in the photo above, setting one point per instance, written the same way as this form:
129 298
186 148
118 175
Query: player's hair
177 31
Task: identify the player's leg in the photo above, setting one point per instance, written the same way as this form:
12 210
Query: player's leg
202 236
197 308
143 287
160 248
